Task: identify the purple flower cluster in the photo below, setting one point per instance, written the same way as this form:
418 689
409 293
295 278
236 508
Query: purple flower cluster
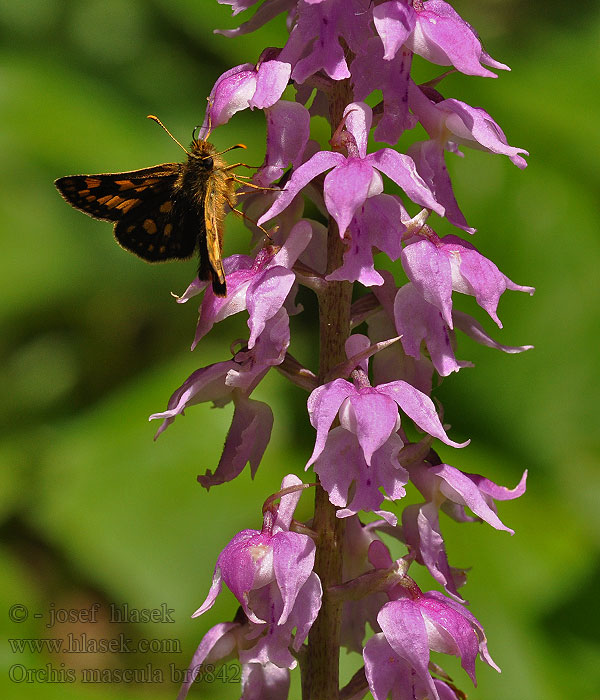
374 417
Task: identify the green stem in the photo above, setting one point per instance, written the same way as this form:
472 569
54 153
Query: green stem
320 672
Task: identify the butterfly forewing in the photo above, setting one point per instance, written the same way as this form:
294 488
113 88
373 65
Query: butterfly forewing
110 196
141 204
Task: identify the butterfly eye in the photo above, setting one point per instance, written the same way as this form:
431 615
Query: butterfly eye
207 163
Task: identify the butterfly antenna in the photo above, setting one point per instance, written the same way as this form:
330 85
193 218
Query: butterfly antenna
237 145
158 121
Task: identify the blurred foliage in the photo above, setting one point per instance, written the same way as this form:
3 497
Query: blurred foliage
94 512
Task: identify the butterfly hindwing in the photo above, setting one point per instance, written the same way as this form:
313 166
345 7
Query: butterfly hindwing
159 232
211 264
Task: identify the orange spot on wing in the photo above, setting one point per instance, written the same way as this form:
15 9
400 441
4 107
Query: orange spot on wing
125 184
127 204
149 226
110 200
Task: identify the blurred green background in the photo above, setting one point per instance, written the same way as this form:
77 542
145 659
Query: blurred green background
93 511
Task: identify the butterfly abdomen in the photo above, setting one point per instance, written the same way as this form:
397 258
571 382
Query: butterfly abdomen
205 176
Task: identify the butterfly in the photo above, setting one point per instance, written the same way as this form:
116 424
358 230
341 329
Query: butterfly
168 211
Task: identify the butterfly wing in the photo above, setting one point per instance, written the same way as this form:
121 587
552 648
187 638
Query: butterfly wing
140 203
111 196
210 245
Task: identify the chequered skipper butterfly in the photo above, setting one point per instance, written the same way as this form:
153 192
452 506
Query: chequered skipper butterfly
165 212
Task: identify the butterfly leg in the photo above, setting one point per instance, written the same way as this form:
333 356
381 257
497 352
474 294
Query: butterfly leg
243 215
236 178
242 165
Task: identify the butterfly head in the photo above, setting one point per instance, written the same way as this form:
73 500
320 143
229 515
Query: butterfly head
202 152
